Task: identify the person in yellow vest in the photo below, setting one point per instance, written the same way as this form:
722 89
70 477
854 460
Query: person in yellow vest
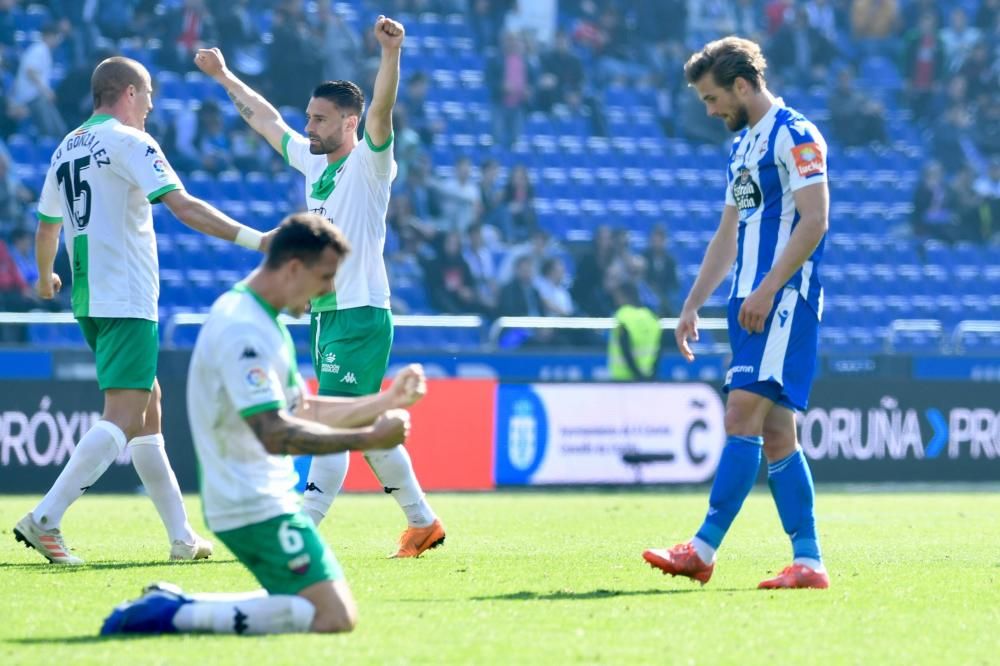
634 344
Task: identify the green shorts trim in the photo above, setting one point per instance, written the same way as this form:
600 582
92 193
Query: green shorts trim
350 349
285 554
126 349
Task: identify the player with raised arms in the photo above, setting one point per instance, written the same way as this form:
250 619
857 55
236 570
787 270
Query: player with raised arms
347 182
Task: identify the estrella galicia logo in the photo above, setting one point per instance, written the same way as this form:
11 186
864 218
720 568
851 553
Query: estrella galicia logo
746 192
521 434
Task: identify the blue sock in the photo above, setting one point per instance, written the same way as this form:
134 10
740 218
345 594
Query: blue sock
792 488
734 479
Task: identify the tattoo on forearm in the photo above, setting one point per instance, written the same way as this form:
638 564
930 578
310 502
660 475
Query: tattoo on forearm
242 107
290 438
296 439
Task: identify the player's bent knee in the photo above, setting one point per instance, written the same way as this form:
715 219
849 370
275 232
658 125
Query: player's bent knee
336 611
338 623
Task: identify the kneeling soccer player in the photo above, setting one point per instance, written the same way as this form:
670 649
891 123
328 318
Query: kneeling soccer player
248 414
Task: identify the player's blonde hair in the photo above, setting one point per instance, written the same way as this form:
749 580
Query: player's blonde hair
728 59
113 76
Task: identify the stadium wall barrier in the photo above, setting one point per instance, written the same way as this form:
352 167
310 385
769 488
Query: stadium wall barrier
607 433
856 430
451 441
894 430
474 434
40 423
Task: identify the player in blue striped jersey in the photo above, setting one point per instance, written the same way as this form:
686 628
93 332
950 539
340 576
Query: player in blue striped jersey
773 226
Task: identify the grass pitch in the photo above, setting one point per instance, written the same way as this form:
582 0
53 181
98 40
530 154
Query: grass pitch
549 578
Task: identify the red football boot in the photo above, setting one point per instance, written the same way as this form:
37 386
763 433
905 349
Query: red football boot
797 576
681 560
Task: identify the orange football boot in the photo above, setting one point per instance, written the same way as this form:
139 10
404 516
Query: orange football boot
797 576
415 540
681 560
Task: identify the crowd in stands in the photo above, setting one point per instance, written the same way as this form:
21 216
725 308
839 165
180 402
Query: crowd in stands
468 232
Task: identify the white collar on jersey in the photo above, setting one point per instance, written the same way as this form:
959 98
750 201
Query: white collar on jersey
769 116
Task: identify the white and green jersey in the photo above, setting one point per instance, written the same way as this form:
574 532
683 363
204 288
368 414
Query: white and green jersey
243 364
353 193
102 179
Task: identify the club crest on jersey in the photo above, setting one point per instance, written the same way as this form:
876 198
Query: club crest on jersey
808 159
745 191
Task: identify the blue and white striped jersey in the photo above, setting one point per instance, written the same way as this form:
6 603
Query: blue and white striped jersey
782 153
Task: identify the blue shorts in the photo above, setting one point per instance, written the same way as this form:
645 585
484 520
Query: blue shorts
779 363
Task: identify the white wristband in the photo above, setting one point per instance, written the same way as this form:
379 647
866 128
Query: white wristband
249 238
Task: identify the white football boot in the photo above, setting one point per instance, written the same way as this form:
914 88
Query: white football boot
49 543
201 549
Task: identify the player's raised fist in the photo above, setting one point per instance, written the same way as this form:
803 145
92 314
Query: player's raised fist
210 61
409 386
390 428
389 33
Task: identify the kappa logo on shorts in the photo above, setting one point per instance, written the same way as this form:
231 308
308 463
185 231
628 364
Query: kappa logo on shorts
300 565
349 378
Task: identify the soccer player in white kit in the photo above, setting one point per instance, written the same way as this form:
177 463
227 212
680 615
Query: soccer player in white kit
248 412
348 183
102 181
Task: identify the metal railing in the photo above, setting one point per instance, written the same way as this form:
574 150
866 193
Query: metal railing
897 326
972 326
584 323
952 342
401 321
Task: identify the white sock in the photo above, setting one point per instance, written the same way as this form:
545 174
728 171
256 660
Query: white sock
94 453
705 551
395 472
231 597
150 461
268 614
815 565
326 478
